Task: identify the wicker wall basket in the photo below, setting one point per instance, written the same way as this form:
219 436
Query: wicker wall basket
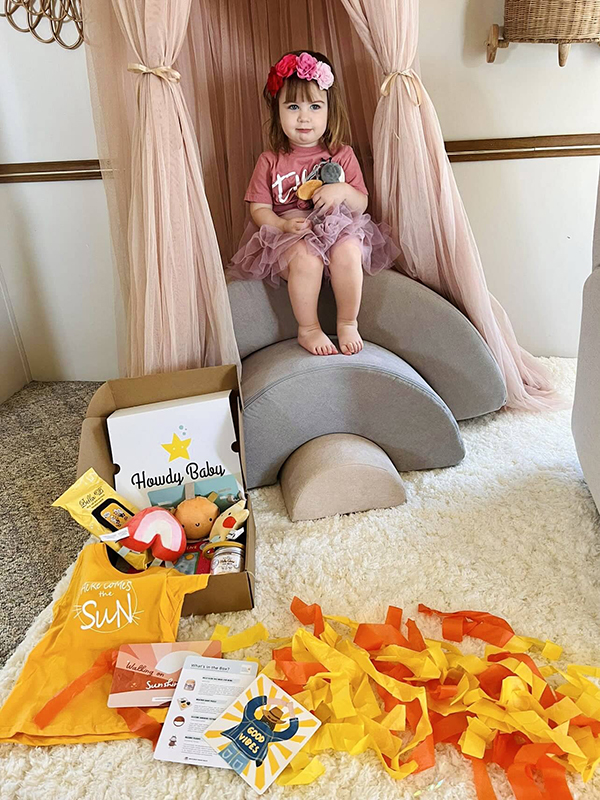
560 22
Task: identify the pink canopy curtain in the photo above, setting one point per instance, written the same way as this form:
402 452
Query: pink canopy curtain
172 276
417 195
164 236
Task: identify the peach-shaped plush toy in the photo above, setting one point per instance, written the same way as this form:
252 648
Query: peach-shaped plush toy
157 530
197 516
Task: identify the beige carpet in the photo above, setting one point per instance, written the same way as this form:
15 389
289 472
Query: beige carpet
512 530
39 441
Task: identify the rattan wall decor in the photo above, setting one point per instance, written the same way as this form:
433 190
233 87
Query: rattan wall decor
561 22
48 20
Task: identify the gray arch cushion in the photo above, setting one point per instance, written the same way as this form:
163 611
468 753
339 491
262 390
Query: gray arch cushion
291 397
397 313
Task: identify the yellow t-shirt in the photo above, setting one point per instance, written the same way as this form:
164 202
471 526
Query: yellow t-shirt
101 610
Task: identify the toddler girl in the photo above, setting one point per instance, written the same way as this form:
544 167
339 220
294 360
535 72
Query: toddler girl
300 240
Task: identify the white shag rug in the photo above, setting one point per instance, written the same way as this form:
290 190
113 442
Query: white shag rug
512 530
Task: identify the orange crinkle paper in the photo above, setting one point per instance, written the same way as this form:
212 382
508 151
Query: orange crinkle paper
399 694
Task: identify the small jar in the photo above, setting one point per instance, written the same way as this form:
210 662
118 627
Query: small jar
229 558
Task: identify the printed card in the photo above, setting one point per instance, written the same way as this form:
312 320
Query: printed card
146 674
206 687
261 732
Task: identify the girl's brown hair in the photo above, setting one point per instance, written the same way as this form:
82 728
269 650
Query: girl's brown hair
337 132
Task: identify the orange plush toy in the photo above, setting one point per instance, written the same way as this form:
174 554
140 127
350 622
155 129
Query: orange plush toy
197 516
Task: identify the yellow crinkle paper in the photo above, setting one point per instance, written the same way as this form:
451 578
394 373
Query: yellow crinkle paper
399 695
257 633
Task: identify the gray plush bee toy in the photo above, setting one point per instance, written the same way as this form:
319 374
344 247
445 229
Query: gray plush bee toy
325 172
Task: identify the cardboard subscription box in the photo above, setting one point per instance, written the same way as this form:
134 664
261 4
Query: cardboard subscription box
229 592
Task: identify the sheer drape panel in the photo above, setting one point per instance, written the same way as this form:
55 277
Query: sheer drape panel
416 194
112 96
178 311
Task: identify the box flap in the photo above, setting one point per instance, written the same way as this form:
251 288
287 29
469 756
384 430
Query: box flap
250 544
242 441
129 392
94 450
102 403
223 593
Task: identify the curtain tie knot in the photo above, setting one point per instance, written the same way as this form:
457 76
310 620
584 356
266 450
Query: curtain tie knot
166 73
411 81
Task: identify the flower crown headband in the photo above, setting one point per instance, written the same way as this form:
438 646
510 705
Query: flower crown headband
305 66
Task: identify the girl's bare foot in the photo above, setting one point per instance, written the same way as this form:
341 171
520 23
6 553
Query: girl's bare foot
313 339
349 338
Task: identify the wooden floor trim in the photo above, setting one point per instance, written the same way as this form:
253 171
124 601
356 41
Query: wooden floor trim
560 146
525 142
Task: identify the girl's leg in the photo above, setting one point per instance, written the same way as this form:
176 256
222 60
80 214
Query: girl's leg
347 281
304 276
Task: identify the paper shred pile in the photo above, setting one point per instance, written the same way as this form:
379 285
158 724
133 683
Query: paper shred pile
399 695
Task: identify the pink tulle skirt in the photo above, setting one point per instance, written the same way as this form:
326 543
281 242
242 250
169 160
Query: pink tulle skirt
264 252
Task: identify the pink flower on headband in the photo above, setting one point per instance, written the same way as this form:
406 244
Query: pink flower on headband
286 66
323 75
306 66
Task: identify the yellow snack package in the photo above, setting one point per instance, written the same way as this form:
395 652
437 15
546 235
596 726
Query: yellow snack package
95 505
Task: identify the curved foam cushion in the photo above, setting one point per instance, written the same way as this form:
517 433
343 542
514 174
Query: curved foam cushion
291 397
436 339
397 313
339 474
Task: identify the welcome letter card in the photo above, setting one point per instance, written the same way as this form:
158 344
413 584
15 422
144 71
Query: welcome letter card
261 732
169 444
146 674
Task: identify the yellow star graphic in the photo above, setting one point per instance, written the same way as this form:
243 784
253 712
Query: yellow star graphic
177 448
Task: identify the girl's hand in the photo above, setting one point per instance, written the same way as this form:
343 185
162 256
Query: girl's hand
296 225
330 195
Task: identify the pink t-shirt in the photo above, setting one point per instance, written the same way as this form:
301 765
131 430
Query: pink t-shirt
276 176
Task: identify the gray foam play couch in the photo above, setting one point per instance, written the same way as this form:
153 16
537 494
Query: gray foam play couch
424 366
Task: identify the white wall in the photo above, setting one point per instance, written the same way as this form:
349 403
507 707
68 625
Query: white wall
14 369
532 218
54 238
524 93
60 278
